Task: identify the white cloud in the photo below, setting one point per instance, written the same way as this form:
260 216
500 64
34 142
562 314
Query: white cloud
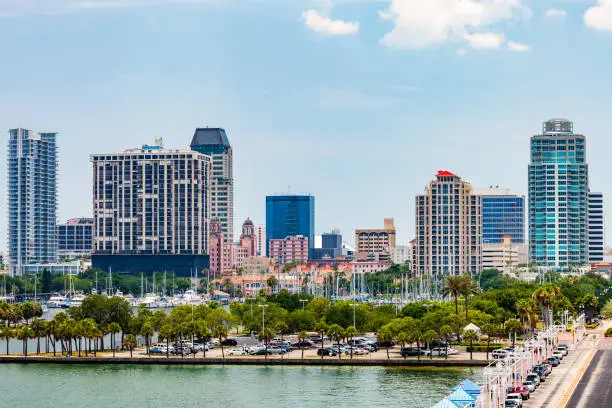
556 13
599 17
422 24
518 47
485 40
461 52
325 25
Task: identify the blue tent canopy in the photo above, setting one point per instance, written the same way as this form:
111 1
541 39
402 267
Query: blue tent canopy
446 403
470 387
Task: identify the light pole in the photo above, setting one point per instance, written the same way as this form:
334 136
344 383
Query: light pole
251 302
263 318
304 301
354 306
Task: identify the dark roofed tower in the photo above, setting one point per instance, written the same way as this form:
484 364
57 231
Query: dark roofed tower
215 143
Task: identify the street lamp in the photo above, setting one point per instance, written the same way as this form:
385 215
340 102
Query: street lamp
263 318
354 306
251 302
304 301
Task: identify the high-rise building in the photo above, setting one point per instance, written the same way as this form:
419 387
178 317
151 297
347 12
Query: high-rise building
375 245
215 143
32 199
401 255
75 238
596 228
151 210
448 228
289 249
503 214
331 246
558 196
260 234
290 215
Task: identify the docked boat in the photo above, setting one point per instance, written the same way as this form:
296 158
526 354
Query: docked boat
56 302
150 301
77 300
190 297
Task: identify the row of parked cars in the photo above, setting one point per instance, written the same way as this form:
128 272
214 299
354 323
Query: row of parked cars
516 395
184 347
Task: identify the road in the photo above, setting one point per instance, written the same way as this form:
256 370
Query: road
595 388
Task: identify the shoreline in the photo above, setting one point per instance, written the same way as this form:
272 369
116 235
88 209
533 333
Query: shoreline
243 361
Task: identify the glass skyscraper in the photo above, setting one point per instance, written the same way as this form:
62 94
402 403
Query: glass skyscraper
502 214
32 199
214 142
558 196
290 215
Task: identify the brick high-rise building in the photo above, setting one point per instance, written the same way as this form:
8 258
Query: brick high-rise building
448 228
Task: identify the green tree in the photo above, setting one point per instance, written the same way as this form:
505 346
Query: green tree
351 332
265 335
113 329
130 343
25 333
321 329
385 336
606 312
301 337
470 335
467 290
147 331
513 327
272 282
336 332
429 337
167 333
454 287
39 328
6 334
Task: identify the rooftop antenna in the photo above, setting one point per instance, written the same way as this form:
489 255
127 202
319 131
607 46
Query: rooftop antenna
159 142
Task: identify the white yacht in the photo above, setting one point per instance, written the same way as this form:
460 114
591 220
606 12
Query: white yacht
150 301
190 297
56 301
77 300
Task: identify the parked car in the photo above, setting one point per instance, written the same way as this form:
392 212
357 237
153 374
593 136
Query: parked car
558 354
229 342
438 352
358 351
530 386
553 361
534 378
237 352
260 352
523 391
412 352
499 354
563 349
328 351
512 404
158 349
306 343
516 397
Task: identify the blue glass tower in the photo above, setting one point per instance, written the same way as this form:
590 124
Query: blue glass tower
502 214
32 199
290 215
558 196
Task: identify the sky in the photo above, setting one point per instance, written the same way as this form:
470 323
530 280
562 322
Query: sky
358 102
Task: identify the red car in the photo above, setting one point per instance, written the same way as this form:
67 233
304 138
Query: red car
522 390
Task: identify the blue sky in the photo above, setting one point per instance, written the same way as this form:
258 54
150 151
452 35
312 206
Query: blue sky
358 102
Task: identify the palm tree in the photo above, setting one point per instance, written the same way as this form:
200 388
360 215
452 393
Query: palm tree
429 337
146 331
113 329
351 332
265 335
39 328
130 343
453 287
403 337
25 333
321 329
513 326
445 333
301 337
385 336
6 334
470 335
166 332
489 329
336 332
220 332
468 289
415 336
272 282
524 308
201 330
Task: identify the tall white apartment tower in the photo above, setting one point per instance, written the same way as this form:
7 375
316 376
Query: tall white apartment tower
596 228
260 234
32 199
448 228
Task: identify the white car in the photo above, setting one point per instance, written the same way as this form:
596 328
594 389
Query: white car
515 397
237 352
558 354
358 351
530 386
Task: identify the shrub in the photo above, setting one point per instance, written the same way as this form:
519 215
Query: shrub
608 332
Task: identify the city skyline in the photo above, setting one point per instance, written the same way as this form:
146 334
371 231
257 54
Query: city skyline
351 111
